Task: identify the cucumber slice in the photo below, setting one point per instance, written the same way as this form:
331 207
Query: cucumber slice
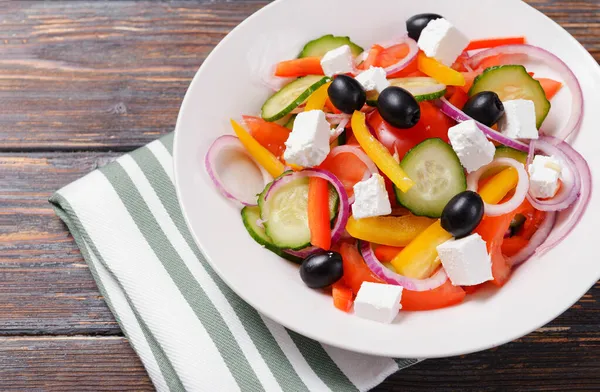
286 218
250 215
421 87
513 82
438 176
290 123
290 96
318 47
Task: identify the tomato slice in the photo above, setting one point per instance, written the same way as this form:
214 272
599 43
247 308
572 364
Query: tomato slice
445 295
433 123
355 270
391 55
347 168
270 135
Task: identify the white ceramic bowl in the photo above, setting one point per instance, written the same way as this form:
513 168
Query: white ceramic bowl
228 85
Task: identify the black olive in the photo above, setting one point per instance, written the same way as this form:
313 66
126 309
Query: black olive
485 107
416 24
346 94
462 214
398 107
321 269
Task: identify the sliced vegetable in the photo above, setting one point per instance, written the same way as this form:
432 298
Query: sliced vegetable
514 53
423 88
550 86
291 96
392 54
260 154
438 175
458 98
494 42
355 270
227 156
513 82
343 298
350 165
270 135
284 210
390 277
499 184
299 67
441 297
318 47
251 217
419 258
316 101
290 123
388 230
379 154
439 71
318 213
372 57
531 245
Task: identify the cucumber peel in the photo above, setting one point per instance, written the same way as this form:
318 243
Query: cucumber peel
318 47
291 96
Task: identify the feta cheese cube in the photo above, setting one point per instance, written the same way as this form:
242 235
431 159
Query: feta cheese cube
518 121
371 198
338 61
373 78
471 145
466 260
378 302
308 143
544 173
442 41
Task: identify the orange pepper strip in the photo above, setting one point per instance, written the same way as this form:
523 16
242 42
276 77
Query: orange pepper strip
263 156
343 298
493 42
318 213
299 67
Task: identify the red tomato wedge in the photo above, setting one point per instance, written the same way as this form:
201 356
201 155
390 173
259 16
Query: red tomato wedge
433 123
347 168
355 270
445 295
270 135
371 59
550 86
391 55
511 246
459 97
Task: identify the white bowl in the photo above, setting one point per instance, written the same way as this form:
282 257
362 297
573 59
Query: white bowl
228 85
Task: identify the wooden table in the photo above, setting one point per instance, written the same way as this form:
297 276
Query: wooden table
82 82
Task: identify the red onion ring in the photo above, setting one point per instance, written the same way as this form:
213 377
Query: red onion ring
220 145
571 183
520 190
335 118
339 129
390 277
569 78
344 209
459 116
585 177
535 241
413 50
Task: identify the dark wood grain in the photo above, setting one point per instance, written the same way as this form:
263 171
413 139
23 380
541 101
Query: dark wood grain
100 76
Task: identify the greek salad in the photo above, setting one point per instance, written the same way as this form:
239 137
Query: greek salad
409 174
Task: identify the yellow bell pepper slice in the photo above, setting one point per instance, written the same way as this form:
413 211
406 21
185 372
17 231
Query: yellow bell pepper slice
419 259
499 185
258 152
388 230
316 101
379 154
439 71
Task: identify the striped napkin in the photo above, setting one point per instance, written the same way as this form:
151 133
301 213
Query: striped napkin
191 331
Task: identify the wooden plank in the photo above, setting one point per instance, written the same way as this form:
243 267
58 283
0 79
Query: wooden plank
542 361
45 286
111 75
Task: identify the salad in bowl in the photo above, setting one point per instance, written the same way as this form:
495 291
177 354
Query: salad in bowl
408 174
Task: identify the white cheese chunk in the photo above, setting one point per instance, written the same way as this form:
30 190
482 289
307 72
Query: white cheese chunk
471 145
338 61
466 260
308 143
373 78
544 173
371 198
518 121
442 41
378 302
